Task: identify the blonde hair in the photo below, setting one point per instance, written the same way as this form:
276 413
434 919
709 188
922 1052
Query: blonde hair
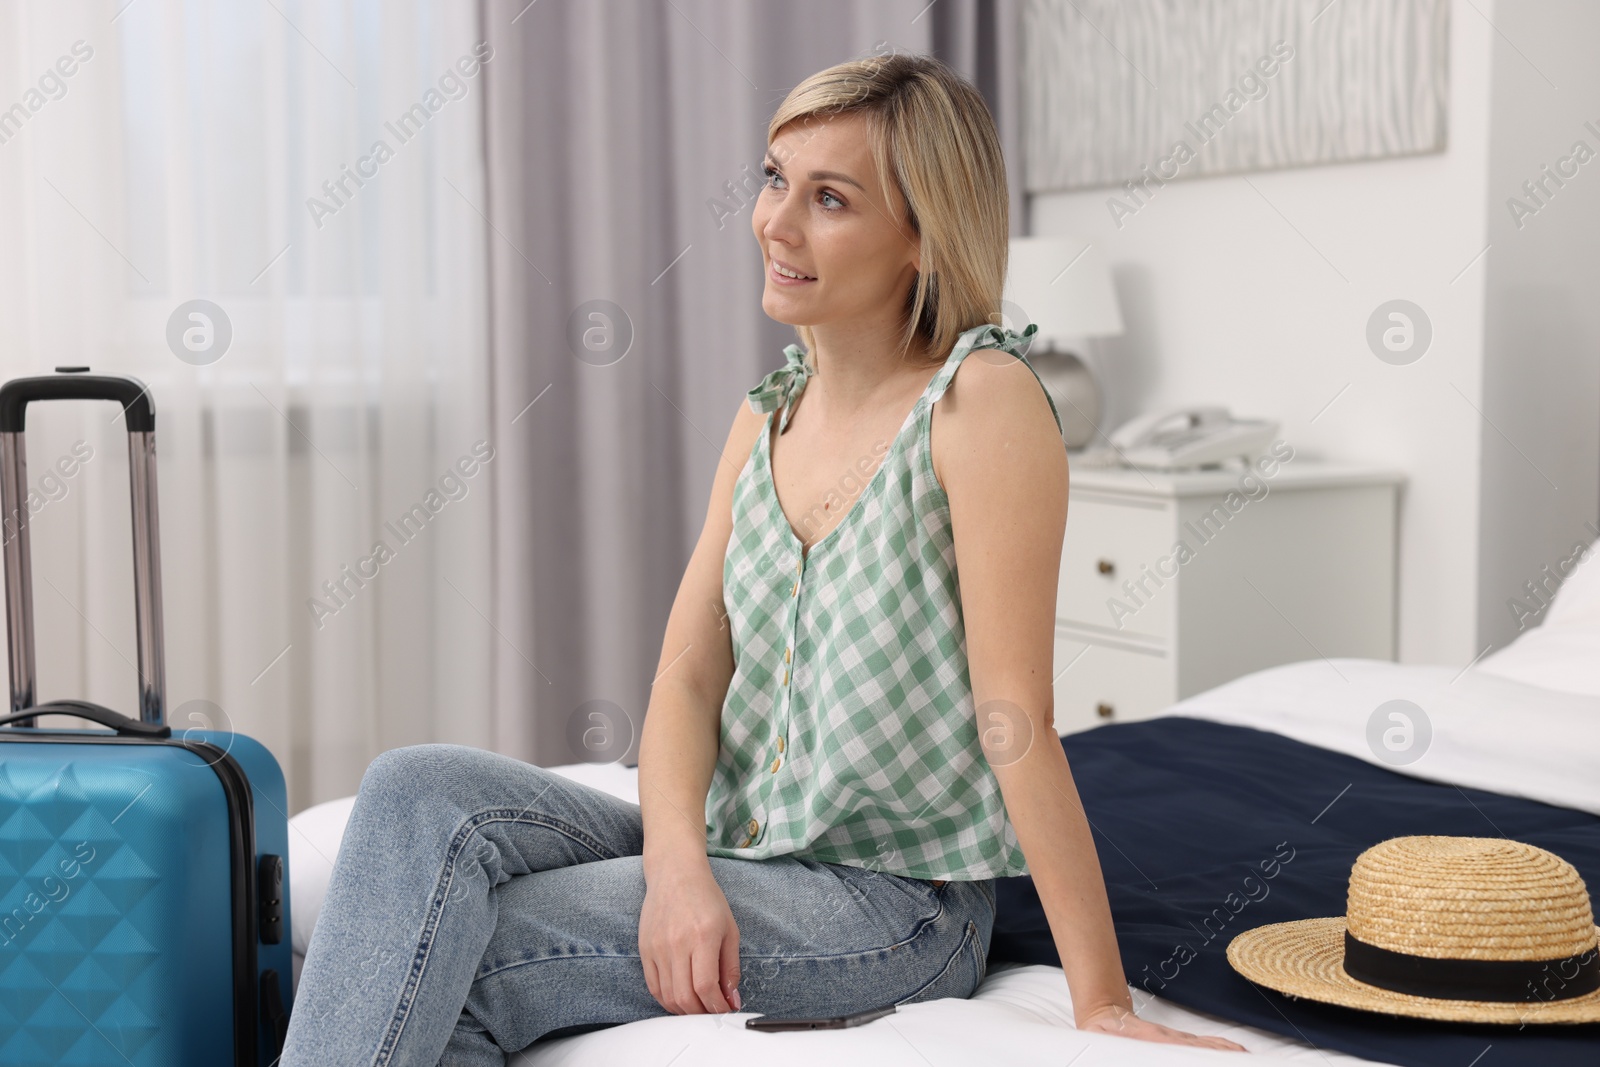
931 134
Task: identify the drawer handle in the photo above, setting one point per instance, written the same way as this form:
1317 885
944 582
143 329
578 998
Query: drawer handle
1105 566
1105 711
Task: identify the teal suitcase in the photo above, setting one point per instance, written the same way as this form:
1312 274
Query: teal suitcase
144 918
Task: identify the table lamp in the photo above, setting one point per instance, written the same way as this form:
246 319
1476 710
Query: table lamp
1064 285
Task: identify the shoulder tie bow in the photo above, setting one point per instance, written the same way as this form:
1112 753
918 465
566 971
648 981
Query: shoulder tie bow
986 336
1017 343
783 385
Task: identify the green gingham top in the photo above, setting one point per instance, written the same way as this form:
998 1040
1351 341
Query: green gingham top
848 732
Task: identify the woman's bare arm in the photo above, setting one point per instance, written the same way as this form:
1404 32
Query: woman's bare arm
1000 458
682 726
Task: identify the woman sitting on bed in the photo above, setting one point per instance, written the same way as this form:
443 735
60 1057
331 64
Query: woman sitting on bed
844 747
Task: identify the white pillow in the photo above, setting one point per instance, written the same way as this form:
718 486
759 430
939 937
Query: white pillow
314 837
1563 651
1577 599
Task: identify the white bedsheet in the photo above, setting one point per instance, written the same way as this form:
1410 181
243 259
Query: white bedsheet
1489 732
1019 1015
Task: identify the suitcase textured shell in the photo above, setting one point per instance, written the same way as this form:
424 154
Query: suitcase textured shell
121 899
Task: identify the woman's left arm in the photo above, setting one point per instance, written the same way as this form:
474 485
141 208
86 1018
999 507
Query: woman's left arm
1004 469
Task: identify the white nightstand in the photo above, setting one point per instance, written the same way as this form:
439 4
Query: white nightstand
1172 583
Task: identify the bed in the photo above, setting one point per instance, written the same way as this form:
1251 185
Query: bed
1515 745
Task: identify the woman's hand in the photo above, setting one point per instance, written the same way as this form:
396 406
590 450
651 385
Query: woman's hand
689 942
1115 1019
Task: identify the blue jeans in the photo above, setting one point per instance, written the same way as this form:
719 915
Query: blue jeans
479 903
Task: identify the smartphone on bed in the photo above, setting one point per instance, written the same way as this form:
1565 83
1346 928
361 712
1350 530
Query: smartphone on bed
837 1022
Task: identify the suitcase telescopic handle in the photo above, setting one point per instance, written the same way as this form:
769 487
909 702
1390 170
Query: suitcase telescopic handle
139 410
125 389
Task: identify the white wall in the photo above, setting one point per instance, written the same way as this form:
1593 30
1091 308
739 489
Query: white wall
1255 290
1540 493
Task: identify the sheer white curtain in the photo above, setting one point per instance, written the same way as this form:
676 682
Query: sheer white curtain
324 487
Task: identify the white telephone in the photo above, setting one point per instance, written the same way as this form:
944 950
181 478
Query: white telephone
1190 437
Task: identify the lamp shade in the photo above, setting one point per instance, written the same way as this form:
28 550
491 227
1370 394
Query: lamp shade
1064 285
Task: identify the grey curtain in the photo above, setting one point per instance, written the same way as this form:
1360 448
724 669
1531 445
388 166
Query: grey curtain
624 143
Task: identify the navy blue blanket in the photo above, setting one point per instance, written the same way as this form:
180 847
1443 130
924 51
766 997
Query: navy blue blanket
1185 810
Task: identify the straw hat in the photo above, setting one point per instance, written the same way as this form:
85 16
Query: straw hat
1464 929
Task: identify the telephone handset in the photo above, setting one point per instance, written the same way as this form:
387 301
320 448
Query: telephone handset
1190 437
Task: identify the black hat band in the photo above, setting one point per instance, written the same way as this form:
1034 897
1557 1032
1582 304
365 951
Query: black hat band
1459 979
